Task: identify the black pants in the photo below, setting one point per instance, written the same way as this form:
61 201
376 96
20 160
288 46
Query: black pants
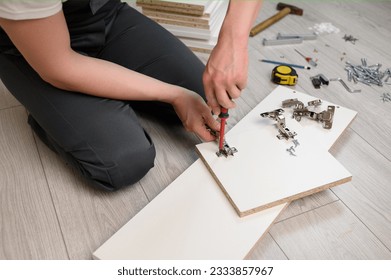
101 137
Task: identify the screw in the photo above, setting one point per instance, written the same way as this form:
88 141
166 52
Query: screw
350 38
290 151
350 75
296 142
386 97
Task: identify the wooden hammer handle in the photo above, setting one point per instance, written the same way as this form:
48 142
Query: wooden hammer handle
265 24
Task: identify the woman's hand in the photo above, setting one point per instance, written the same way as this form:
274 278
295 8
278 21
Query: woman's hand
195 114
225 75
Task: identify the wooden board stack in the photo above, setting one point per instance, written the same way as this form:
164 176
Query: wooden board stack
196 23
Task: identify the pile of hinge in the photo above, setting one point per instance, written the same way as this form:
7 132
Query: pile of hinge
196 23
299 110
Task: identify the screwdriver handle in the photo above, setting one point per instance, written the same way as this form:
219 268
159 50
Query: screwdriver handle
223 113
223 116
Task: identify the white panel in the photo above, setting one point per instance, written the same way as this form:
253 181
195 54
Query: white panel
263 174
192 219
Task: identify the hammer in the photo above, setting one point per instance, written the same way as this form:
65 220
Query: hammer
284 9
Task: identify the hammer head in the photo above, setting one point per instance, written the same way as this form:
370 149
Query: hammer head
294 10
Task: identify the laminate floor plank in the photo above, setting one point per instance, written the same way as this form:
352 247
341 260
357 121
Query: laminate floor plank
267 250
29 228
329 232
369 195
307 203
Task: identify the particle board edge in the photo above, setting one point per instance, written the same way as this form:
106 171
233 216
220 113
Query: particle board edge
182 11
274 203
195 6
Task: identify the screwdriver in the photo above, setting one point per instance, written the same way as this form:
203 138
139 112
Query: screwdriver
223 118
308 59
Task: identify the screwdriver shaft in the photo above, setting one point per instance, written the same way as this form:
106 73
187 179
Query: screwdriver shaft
308 59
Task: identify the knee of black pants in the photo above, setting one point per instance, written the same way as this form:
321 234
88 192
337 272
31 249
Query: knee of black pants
117 165
125 166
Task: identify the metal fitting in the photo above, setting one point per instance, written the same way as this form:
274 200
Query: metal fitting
345 85
226 150
291 151
299 111
350 38
277 42
284 132
307 36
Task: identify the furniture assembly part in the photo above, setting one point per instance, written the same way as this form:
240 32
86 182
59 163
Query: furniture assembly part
193 219
262 174
277 115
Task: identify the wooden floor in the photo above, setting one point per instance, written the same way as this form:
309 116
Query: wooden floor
47 211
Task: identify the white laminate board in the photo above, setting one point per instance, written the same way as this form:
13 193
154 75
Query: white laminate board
197 33
202 45
167 15
192 8
204 19
189 22
263 174
190 219
188 4
214 23
180 23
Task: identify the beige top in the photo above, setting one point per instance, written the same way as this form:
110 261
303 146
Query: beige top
29 9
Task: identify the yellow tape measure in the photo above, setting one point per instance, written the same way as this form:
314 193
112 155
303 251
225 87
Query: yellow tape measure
284 75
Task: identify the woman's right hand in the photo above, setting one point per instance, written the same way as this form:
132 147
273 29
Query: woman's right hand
195 114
